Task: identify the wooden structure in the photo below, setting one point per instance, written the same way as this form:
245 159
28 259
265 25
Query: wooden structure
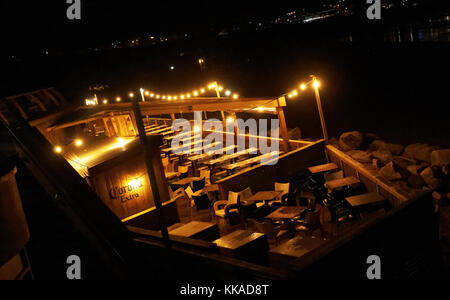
14 233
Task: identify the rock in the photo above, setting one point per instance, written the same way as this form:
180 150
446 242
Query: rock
396 149
334 142
437 196
420 152
414 170
361 156
295 134
369 138
383 156
389 172
429 178
380 145
416 181
351 140
440 158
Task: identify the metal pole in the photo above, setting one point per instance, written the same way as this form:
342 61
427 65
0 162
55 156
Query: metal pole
319 105
151 173
218 96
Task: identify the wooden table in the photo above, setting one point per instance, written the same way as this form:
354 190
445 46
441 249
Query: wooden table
183 147
230 157
252 161
171 175
340 183
366 199
286 213
323 168
295 248
265 196
210 153
187 181
198 231
245 245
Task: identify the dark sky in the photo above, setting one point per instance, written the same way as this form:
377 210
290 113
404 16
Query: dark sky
30 25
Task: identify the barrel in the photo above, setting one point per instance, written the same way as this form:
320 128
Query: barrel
14 233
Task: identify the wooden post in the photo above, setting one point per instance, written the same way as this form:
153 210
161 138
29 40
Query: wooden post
322 116
151 173
283 129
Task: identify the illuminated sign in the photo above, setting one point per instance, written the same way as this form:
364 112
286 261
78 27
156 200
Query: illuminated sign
127 193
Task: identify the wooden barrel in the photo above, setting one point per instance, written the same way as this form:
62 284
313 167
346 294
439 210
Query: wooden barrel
14 233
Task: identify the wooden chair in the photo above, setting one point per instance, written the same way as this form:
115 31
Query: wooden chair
207 175
334 176
273 233
224 209
311 222
199 185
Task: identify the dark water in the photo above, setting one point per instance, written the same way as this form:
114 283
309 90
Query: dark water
398 90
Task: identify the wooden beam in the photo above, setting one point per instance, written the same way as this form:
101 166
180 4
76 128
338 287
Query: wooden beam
283 129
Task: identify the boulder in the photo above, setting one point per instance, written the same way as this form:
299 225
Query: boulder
295 134
389 172
420 152
379 145
334 142
429 178
361 156
383 156
440 158
351 140
416 181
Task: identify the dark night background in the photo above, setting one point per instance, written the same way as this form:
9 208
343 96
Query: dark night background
396 89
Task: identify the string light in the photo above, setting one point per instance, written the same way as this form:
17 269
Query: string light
78 143
118 99
304 86
105 101
58 149
131 95
235 96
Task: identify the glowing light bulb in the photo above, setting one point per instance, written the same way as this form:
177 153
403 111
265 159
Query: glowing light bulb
182 97
152 95
228 93
78 143
158 96
131 95
118 99
202 91
195 93
230 120
235 96
147 93
169 98
260 109
294 93
196 128
58 149
175 98
105 101
316 84
303 87
188 96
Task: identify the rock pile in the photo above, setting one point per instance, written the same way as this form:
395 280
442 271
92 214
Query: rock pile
412 169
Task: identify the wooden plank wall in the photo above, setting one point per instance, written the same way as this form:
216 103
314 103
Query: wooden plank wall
262 178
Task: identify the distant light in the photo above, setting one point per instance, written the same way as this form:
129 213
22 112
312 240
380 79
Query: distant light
164 97
118 99
105 101
78 143
316 84
147 93
169 98
290 96
58 149
175 98
202 91
152 95
172 68
303 87
228 93
260 109
195 93
294 93
220 88
131 95
158 96
135 183
230 120
182 97
188 96
235 96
